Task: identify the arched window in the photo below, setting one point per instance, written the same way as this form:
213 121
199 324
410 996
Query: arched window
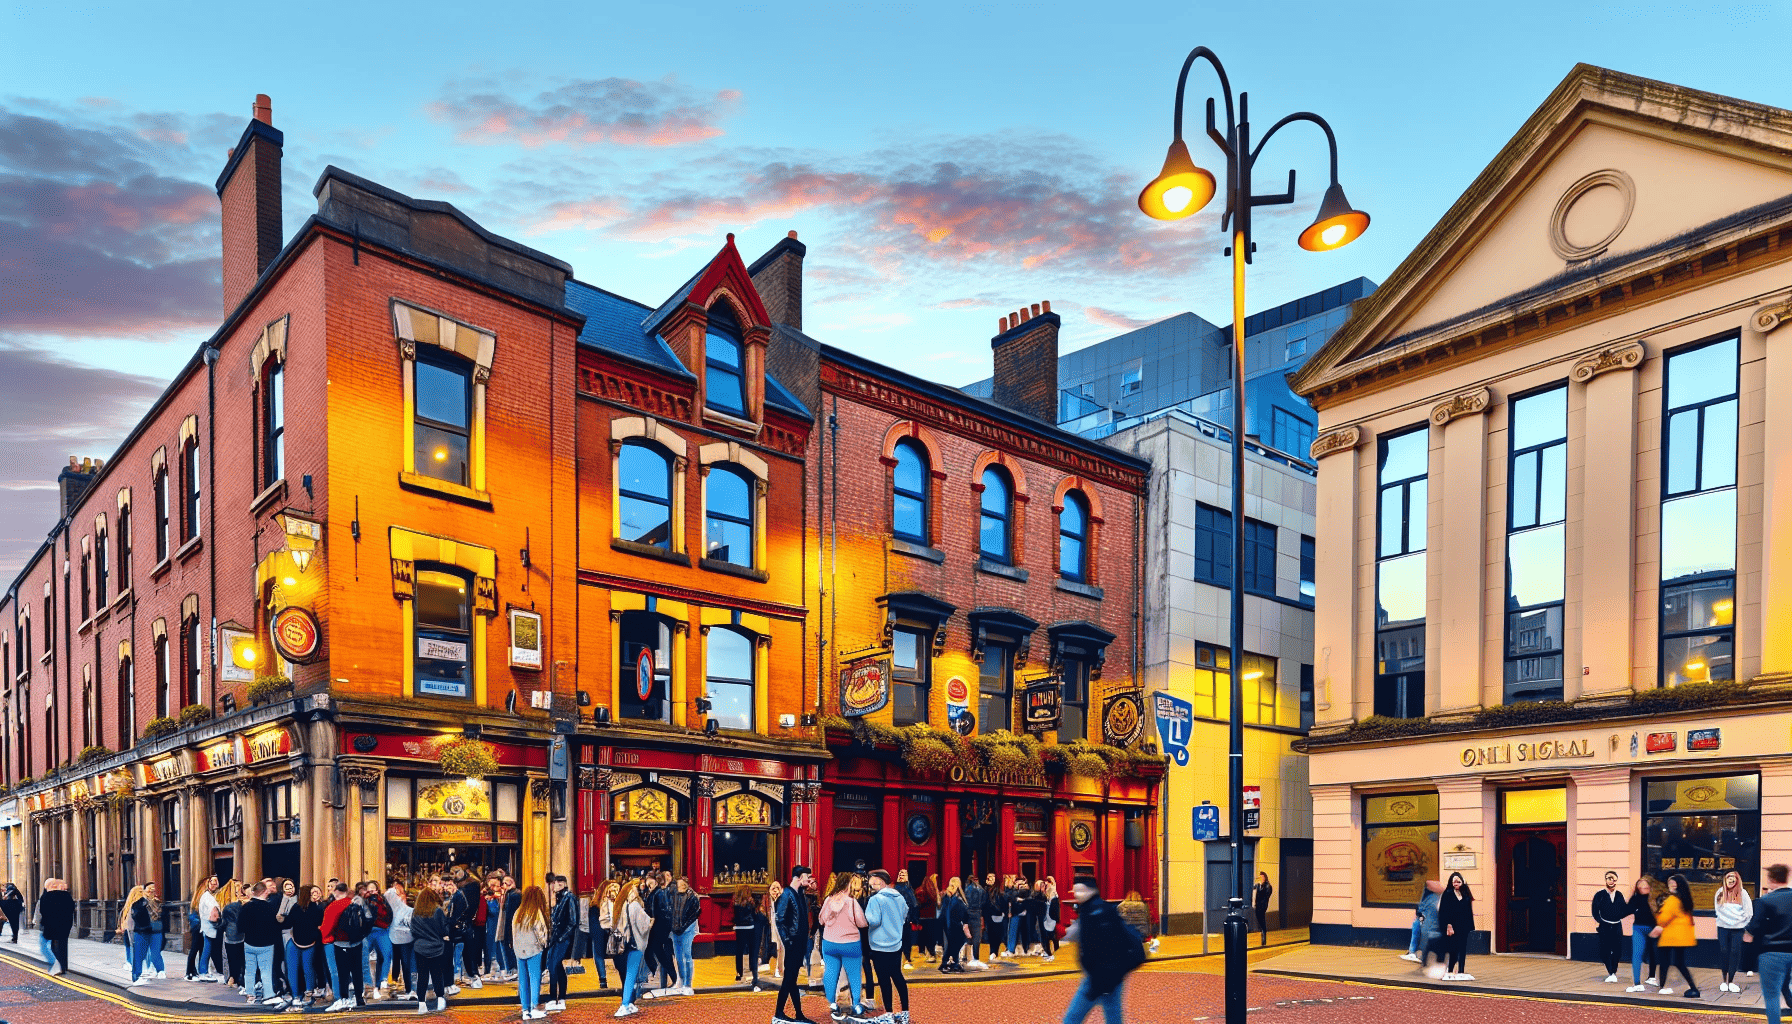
728 509
193 657
273 424
127 703
723 389
644 484
124 548
102 570
444 415
908 506
1073 539
645 632
164 677
729 667
86 586
162 509
994 539
444 632
190 490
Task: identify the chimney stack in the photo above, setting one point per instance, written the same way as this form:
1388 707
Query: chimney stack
778 277
249 190
1026 358
74 479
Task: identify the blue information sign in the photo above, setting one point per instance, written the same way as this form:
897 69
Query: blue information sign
1207 822
1175 719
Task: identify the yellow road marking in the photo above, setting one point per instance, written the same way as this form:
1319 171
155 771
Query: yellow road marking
1503 995
148 1012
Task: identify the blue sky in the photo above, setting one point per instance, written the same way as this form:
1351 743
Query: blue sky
945 163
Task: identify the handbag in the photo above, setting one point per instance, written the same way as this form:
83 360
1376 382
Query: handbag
572 967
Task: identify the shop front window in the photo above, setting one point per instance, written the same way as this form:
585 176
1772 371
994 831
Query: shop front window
278 823
444 641
170 825
745 840
647 831
225 817
1702 828
434 825
1400 849
649 634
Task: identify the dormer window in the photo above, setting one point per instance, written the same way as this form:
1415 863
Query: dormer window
723 386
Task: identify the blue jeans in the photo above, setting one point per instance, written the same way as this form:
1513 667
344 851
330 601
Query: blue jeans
682 944
258 971
632 984
1084 1001
493 954
837 957
208 949
1773 967
528 981
43 946
1013 931
301 977
335 972
379 943
508 951
1418 934
146 948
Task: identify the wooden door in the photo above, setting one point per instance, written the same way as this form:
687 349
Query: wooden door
1531 907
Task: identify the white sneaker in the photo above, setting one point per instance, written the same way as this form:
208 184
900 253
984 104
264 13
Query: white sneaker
423 1006
1611 979
1413 957
1634 988
139 982
622 1011
475 983
1667 991
1650 981
1047 958
1153 945
454 990
686 990
408 995
536 1014
907 966
160 975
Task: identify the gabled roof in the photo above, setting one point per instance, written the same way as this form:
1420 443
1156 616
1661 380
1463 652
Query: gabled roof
725 270
1706 168
613 324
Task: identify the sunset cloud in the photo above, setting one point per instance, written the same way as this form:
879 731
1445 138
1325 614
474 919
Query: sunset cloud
587 112
1118 321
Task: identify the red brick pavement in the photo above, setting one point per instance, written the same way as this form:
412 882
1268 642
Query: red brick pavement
1172 993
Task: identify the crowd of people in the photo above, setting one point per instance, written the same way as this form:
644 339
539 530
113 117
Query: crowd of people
1752 934
339 946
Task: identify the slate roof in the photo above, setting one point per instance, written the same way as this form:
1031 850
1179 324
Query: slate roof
615 325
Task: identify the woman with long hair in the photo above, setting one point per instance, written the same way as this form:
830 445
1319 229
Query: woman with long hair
143 917
529 936
746 936
431 946
1044 910
200 931
1644 956
842 922
302 922
403 956
637 928
1673 929
230 904
1734 911
955 926
1456 914
769 909
602 908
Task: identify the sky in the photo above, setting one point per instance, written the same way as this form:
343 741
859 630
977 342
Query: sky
945 163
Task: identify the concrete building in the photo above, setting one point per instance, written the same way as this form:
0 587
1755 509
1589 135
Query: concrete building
1554 622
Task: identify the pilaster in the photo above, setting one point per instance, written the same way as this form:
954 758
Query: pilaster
1334 618
1457 564
1606 517
1776 506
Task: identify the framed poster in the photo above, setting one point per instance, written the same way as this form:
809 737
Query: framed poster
525 639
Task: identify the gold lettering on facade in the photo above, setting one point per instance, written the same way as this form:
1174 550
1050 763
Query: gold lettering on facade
1526 752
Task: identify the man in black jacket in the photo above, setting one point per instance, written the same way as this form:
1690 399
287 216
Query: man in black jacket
791 918
56 913
974 900
1108 949
261 933
563 925
1609 911
659 937
1770 931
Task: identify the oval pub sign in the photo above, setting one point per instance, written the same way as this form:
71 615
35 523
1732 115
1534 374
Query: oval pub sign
296 634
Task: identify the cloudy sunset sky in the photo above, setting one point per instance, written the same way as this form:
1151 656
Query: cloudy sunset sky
945 163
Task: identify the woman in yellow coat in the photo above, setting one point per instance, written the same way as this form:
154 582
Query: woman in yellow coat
1673 925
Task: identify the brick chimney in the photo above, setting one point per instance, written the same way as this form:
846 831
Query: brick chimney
74 480
249 190
778 277
1026 357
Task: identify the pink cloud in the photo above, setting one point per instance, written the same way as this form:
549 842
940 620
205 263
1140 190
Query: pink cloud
1118 321
618 111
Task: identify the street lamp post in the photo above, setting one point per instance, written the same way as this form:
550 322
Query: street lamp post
1179 190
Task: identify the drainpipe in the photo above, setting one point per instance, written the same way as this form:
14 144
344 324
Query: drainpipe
211 498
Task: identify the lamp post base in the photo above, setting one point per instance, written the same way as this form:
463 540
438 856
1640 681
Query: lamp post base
1238 937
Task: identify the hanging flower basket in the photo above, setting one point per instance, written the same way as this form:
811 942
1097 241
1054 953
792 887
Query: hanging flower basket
267 689
467 758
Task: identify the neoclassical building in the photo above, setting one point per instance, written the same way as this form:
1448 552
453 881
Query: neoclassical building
1554 623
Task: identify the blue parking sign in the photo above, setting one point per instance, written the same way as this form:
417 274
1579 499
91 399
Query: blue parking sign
1207 822
1175 720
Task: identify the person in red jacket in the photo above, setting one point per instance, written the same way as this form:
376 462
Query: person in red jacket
327 931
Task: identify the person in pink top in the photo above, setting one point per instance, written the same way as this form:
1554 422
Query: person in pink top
842 921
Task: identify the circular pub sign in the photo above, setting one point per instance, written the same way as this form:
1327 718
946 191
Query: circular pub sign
296 635
957 692
644 674
920 828
1081 835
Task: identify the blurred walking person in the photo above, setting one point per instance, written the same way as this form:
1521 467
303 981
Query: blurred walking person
1106 947
1673 930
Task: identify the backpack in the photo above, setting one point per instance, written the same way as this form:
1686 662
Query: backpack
622 938
353 925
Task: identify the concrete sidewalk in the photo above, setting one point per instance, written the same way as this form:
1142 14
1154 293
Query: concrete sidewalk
104 962
1538 977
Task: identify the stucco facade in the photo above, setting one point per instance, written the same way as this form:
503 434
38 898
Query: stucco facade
1553 471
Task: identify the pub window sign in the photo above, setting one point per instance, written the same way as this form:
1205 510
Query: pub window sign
1042 704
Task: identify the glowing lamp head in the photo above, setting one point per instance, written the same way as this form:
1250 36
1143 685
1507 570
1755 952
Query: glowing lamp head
1179 190
441 455
242 652
1337 225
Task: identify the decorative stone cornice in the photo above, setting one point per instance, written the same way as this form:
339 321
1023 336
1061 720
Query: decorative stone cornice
1465 403
1332 442
1627 356
1768 317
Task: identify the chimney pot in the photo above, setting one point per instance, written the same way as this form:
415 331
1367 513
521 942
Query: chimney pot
791 234
1014 319
74 463
1035 309
1002 325
1047 304
264 108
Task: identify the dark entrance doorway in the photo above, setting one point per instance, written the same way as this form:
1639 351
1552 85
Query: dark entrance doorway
1532 908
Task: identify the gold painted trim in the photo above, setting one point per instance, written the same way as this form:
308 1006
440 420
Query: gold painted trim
1768 317
1466 403
1618 357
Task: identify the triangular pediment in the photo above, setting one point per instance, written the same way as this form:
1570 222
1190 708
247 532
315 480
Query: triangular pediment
724 272
1610 169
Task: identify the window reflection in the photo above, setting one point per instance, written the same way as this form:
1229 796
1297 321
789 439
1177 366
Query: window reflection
1400 590
1400 574
1535 561
1536 545
1698 515
644 487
